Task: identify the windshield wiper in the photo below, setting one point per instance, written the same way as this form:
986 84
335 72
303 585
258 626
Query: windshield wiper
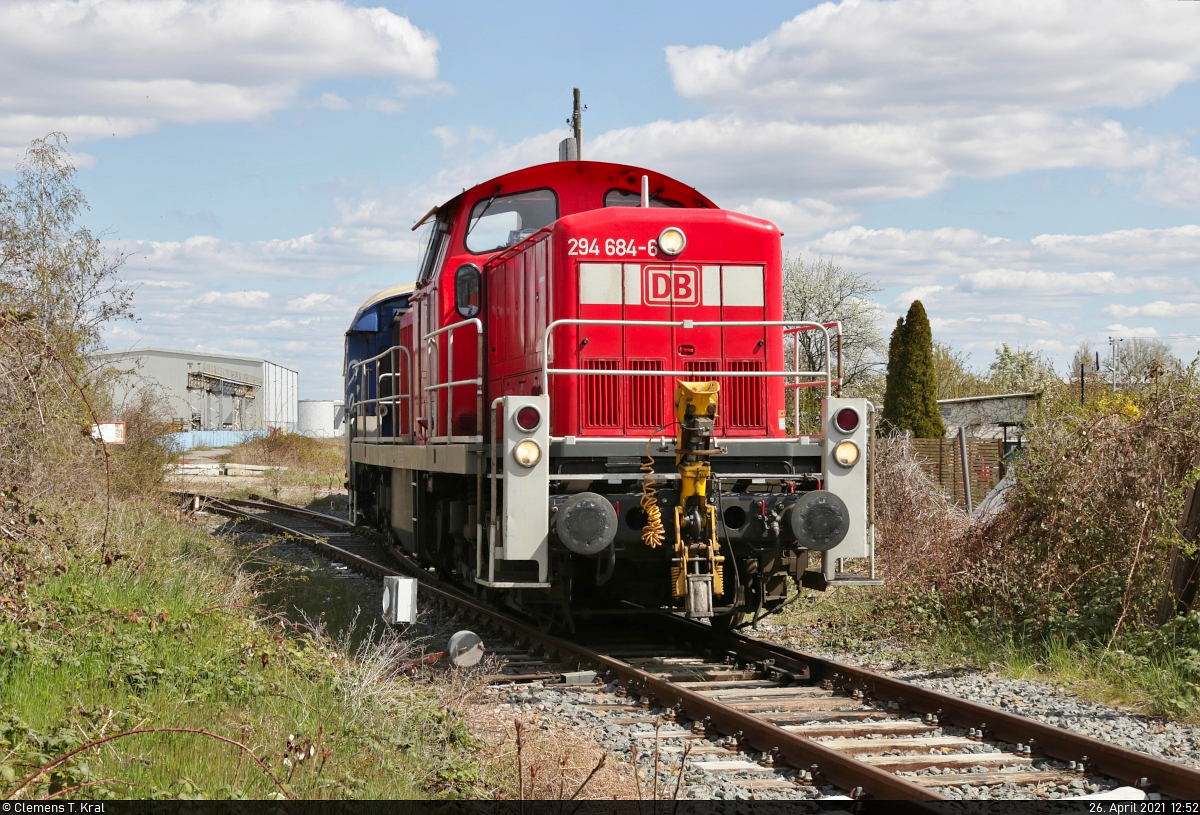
479 217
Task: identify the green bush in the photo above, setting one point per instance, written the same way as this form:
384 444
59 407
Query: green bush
1083 547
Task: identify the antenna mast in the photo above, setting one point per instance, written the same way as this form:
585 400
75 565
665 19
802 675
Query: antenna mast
571 148
577 126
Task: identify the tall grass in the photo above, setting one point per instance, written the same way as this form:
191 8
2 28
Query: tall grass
158 631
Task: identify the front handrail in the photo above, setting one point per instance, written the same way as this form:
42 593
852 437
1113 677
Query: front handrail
788 326
431 343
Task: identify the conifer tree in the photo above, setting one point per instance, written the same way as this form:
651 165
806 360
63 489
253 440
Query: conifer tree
910 402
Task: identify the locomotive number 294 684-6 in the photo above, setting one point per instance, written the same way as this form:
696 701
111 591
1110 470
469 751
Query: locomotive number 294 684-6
613 247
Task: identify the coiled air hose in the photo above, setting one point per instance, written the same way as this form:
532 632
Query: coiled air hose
653 533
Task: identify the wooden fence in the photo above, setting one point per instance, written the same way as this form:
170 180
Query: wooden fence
940 458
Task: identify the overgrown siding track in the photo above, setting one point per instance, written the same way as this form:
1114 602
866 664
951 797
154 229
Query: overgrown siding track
812 721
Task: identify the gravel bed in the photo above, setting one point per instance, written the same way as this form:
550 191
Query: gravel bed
566 707
1175 741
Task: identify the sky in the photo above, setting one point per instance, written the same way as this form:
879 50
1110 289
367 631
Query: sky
1028 170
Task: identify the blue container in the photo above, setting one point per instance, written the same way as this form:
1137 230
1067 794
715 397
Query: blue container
192 439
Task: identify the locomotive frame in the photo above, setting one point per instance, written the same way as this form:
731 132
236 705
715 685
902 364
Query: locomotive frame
618 362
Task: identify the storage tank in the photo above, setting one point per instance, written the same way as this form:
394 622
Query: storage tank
320 418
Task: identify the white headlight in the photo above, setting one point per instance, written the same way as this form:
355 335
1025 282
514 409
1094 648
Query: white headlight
527 453
672 240
846 454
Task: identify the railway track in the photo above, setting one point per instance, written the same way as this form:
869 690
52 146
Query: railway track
760 713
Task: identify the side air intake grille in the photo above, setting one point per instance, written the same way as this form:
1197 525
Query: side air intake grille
645 395
601 405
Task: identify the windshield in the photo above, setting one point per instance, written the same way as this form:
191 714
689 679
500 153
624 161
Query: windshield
629 198
503 220
433 244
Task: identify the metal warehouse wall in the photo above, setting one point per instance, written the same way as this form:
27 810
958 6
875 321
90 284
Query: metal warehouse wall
166 370
280 395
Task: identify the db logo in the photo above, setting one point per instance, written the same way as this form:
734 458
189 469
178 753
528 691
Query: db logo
664 285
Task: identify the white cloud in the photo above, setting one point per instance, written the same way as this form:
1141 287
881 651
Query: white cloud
240 299
950 58
922 293
465 137
1176 184
1137 331
869 100
981 290
1159 308
1139 249
331 101
1036 281
1149 258
800 218
1009 322
342 249
733 156
163 284
97 68
316 301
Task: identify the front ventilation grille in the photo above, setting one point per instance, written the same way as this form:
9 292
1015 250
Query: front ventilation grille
601 405
645 395
741 398
744 406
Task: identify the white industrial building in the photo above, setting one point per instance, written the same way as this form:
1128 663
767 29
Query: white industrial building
210 391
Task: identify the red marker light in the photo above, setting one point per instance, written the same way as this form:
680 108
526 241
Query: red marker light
528 418
846 420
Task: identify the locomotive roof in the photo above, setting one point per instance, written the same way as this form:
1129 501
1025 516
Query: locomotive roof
579 177
386 294
379 297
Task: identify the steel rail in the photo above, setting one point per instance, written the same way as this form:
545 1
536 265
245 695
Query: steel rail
839 769
291 509
1170 778
225 507
1166 777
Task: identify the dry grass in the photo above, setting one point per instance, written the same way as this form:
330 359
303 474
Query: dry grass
308 467
320 457
555 760
919 528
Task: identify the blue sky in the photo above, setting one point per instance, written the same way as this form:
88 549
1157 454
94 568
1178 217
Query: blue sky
1027 169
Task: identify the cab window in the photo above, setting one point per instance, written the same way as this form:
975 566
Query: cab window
503 220
630 198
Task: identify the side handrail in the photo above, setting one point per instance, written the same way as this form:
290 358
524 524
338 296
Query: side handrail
519 247
431 342
796 387
358 401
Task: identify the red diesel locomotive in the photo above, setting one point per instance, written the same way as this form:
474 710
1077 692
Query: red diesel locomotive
586 401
